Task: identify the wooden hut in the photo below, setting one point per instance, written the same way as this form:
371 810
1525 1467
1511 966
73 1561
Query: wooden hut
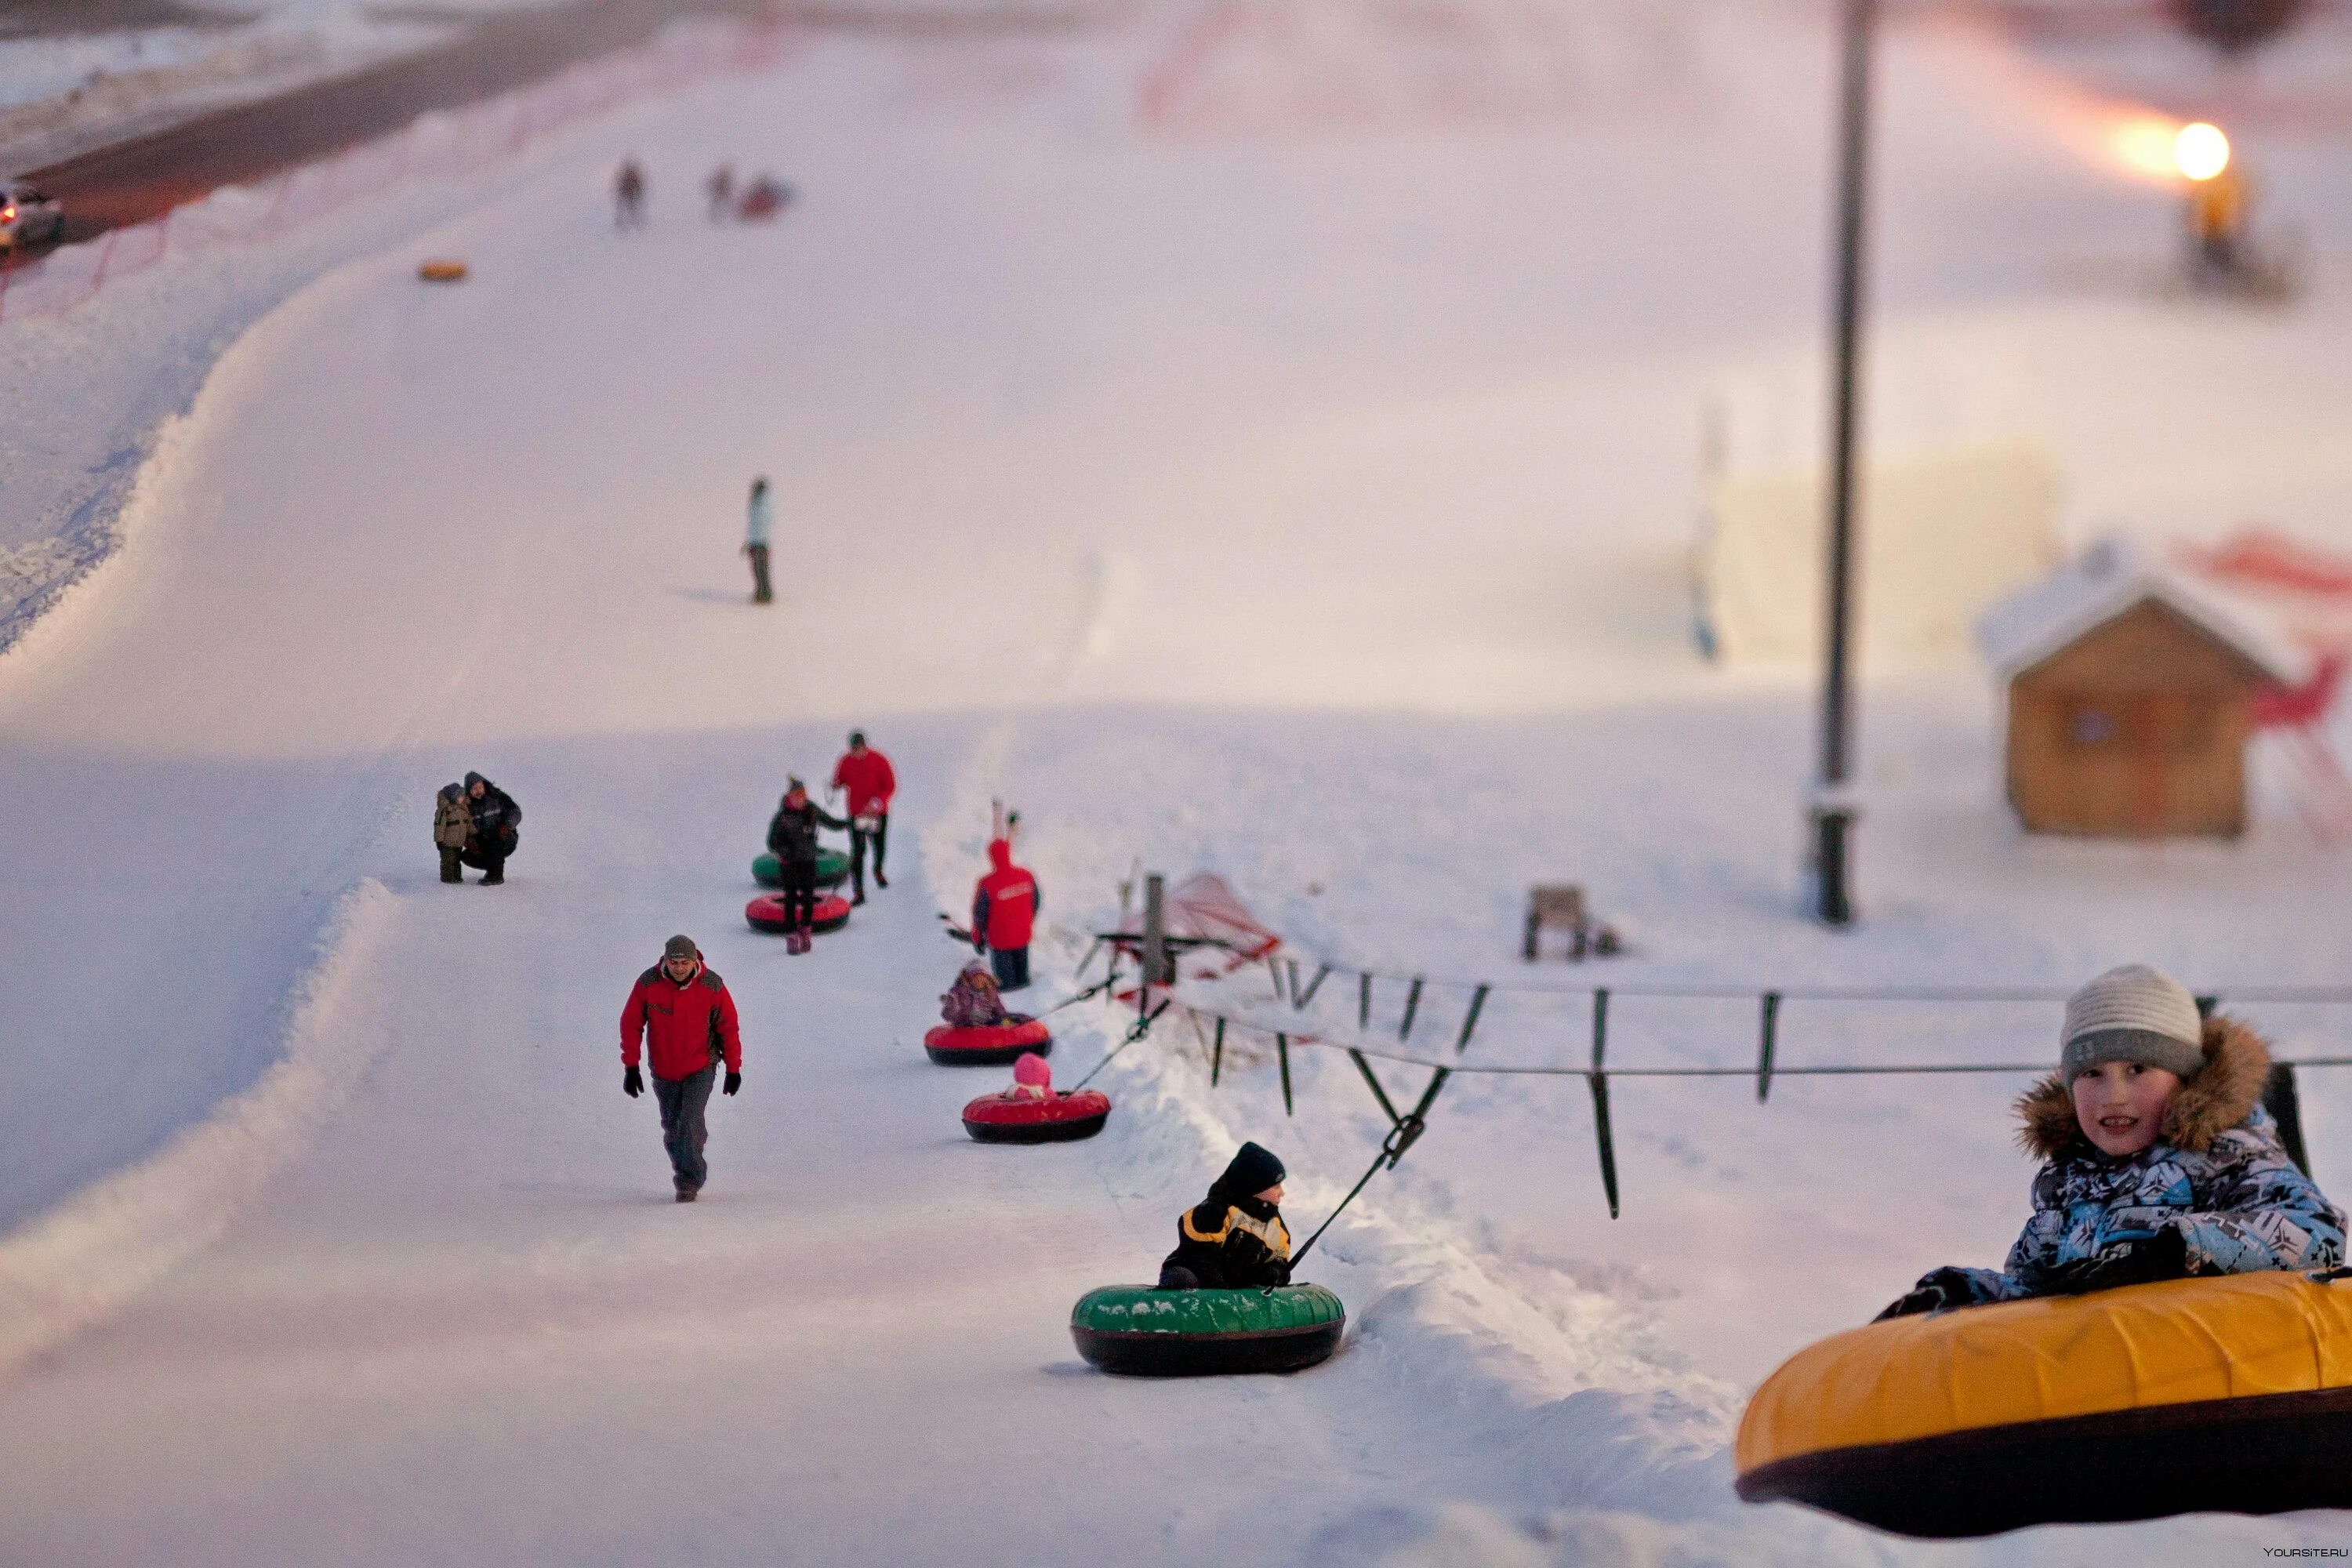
2130 695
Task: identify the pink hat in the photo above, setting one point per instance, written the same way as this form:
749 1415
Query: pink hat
1031 1069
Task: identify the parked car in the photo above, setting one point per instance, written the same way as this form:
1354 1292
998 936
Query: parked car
27 216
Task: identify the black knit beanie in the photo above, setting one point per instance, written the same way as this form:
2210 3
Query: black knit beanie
1254 1169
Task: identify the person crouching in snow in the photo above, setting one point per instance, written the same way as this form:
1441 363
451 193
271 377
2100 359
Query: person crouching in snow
792 839
1235 1239
453 825
973 1003
686 1018
2160 1161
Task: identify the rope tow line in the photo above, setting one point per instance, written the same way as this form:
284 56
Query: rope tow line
1405 1131
1135 1032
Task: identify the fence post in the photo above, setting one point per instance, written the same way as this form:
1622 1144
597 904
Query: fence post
1599 1083
1364 1001
1412 1006
1157 969
1764 1053
1217 1055
1282 1052
1470 1019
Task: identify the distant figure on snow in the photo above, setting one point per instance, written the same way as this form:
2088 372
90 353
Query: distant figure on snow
972 1001
629 195
1003 911
682 1015
767 196
453 828
1235 1239
755 539
721 189
498 822
865 775
792 839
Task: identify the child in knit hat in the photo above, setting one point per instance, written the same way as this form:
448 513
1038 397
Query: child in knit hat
1031 1078
1235 1239
973 1002
2159 1159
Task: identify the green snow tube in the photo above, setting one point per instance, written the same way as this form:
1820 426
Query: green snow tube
1141 1331
832 869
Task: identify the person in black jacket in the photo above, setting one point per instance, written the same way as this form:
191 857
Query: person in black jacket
1235 1240
497 823
792 839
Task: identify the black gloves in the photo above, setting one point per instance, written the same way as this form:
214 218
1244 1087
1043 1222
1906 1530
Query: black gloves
1944 1288
734 1082
631 1084
2164 1255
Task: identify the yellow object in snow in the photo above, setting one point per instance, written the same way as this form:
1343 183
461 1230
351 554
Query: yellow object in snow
441 271
2231 1393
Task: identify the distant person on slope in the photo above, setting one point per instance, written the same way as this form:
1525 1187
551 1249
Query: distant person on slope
683 1016
973 1003
2159 1159
792 839
721 189
497 824
453 828
755 539
864 774
1235 1239
1003 911
629 195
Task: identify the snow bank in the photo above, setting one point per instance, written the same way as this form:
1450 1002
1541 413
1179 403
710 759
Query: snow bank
77 1263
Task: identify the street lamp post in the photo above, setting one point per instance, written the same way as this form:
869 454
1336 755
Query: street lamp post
1832 808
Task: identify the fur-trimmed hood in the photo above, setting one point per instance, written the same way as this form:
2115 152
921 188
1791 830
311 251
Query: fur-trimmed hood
2223 1092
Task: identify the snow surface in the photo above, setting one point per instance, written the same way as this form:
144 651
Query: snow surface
1307 507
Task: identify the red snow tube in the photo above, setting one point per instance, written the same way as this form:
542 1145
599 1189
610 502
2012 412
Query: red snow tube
1001 1119
988 1045
831 913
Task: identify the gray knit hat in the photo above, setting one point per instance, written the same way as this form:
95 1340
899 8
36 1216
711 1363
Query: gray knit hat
2133 1014
680 947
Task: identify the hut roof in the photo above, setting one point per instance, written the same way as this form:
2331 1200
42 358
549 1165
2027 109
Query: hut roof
2110 578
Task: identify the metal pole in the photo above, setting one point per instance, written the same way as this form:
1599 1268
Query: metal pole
1833 813
1158 969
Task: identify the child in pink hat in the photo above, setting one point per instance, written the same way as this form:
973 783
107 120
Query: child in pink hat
1032 1079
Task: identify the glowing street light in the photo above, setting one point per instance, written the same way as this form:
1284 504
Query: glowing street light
2200 152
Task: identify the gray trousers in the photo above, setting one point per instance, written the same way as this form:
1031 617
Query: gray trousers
683 1101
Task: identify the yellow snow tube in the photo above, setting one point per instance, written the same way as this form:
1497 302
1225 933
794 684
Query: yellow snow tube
2230 1394
441 271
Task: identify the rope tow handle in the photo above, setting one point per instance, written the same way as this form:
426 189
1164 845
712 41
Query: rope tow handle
1405 1131
1135 1032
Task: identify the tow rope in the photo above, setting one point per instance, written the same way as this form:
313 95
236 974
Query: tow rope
1405 1131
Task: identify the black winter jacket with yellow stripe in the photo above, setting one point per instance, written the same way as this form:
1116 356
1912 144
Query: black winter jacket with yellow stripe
1232 1244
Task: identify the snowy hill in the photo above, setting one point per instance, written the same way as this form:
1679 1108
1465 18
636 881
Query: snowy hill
1303 501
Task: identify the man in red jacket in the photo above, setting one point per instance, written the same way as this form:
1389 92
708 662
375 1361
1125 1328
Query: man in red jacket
1003 909
866 775
683 1015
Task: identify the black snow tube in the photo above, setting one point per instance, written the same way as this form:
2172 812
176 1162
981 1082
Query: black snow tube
1138 1330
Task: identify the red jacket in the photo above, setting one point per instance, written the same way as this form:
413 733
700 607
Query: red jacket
868 780
1003 902
689 1027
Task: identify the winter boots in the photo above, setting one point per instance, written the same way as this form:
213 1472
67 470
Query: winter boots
798 940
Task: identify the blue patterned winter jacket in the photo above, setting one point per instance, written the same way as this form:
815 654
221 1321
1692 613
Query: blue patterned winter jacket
2218 1175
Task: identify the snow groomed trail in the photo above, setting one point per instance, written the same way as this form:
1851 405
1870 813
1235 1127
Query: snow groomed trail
1218 507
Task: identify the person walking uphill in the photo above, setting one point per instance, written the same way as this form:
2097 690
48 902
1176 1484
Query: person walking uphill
864 774
755 541
684 1017
792 839
498 822
1004 912
453 829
